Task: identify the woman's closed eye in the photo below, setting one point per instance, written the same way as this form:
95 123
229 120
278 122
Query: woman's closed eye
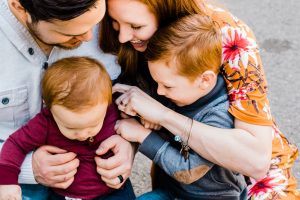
135 27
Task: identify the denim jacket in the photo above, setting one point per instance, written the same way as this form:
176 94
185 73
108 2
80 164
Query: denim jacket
195 178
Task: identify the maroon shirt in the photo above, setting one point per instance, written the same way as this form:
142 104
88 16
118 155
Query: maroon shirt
42 130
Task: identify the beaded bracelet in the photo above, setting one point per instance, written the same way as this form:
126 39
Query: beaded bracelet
184 151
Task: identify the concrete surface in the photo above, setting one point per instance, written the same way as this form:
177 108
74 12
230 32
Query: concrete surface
276 24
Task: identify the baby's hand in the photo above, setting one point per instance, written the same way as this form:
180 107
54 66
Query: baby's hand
10 192
131 130
150 125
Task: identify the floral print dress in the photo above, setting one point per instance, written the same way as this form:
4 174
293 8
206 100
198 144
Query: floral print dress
247 89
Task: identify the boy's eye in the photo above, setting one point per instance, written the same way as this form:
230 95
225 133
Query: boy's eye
167 87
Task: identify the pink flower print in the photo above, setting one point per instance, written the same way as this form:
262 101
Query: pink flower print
237 47
262 189
238 94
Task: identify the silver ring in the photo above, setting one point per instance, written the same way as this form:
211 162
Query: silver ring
121 179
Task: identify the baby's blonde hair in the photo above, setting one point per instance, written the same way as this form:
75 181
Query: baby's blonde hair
76 83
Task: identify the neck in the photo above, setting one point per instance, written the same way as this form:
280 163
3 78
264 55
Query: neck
21 17
46 48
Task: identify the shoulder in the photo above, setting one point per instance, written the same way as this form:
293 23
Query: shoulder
216 113
112 115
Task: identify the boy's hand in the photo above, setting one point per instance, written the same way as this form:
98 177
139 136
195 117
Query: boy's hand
150 125
10 192
132 130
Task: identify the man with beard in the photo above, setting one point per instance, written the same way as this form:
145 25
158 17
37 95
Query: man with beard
33 34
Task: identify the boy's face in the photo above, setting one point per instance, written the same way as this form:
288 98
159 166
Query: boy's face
179 89
79 125
68 34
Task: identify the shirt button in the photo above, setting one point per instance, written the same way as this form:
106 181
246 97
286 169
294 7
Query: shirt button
5 101
45 65
30 51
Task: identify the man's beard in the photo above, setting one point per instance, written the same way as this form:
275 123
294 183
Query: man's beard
71 44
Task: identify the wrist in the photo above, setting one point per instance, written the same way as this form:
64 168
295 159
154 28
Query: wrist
143 135
165 116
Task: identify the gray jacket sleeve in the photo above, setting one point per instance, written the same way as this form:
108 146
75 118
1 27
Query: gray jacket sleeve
169 158
172 162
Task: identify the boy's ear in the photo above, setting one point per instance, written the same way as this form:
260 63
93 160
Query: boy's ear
207 79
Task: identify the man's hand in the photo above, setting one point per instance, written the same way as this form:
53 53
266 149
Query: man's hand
10 192
119 164
54 167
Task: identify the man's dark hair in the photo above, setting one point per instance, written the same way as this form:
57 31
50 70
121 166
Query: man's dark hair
48 10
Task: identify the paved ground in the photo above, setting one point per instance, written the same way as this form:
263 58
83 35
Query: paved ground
276 24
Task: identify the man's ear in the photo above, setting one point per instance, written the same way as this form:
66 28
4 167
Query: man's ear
207 79
19 11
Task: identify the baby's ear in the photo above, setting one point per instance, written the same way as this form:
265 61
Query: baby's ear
207 79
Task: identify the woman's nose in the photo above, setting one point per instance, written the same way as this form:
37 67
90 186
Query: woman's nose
125 35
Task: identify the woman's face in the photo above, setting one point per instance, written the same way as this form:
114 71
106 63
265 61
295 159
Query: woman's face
134 22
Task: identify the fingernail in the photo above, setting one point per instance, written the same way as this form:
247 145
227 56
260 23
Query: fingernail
100 149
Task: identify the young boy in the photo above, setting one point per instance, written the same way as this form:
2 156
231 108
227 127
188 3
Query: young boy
184 59
78 116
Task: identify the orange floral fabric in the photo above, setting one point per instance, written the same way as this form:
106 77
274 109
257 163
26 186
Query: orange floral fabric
247 89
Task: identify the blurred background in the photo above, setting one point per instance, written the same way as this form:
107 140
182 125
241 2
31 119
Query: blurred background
276 24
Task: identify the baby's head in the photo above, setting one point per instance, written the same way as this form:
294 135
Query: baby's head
78 91
184 58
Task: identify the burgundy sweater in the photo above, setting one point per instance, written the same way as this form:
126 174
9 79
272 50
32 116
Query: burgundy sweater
42 130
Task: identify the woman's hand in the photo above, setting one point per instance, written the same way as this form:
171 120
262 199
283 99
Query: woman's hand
119 164
132 130
135 102
54 167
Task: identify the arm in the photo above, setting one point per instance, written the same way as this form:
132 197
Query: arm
229 146
13 153
172 162
51 166
18 145
26 175
234 149
163 153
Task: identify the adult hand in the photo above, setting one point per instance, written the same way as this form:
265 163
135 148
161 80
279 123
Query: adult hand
134 102
10 192
119 164
54 167
132 130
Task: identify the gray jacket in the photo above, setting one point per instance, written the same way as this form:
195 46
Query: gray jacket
196 178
